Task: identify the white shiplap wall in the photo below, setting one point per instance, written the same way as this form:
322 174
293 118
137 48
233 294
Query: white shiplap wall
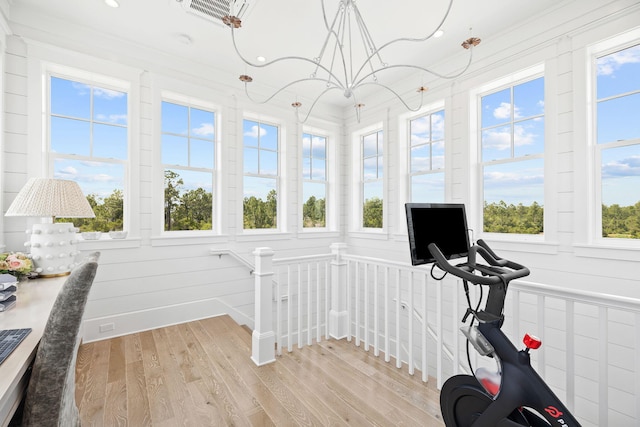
149 281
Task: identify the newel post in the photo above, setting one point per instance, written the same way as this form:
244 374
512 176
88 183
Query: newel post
263 339
338 315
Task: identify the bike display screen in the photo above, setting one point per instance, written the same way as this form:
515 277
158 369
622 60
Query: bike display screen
444 224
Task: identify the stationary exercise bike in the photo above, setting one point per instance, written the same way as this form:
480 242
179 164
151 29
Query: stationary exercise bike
513 395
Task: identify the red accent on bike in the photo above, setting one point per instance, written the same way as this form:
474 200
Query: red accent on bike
490 386
553 411
532 342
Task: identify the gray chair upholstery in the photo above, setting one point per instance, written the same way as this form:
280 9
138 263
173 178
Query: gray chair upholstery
51 392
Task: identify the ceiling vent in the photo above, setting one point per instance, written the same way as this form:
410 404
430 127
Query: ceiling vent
215 10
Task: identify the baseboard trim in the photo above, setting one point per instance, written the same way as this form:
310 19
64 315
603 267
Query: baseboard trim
101 328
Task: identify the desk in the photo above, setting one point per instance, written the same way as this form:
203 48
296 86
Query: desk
34 301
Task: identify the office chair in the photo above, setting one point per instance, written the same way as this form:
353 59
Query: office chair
51 392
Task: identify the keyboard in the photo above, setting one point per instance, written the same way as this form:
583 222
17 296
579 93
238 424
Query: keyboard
10 339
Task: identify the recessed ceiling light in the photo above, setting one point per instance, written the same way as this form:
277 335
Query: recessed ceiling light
112 3
438 34
261 58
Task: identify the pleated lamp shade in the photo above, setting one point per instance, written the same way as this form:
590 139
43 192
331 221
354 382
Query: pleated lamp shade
51 197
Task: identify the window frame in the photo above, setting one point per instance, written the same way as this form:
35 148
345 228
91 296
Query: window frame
596 149
429 111
312 132
281 210
510 81
358 179
93 79
193 102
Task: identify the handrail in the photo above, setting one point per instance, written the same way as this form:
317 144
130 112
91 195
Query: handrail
233 255
297 259
594 298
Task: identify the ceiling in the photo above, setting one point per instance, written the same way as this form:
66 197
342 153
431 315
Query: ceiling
274 28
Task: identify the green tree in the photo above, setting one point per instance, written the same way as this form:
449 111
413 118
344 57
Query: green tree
193 211
172 186
621 221
372 213
520 219
258 213
109 213
313 212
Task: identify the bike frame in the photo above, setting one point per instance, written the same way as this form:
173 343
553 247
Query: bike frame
521 385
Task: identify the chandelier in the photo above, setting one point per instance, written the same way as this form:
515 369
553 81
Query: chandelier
347 39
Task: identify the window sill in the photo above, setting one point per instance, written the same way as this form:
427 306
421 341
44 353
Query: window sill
260 236
530 246
314 234
182 239
108 243
373 234
628 252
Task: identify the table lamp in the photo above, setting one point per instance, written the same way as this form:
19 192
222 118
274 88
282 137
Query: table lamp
53 245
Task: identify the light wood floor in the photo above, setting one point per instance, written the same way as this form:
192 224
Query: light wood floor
201 374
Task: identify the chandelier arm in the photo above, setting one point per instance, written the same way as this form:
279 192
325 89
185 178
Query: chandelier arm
270 97
362 82
317 63
370 45
349 79
338 48
376 52
306 117
397 95
409 39
327 38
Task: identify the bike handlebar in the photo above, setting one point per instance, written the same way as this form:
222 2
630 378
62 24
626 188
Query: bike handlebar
491 274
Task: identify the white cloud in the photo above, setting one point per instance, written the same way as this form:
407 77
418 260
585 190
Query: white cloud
522 137
495 139
609 64
503 112
205 129
621 168
256 131
67 173
101 177
112 118
107 93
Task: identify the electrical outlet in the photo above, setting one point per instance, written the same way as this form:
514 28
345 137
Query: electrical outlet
107 327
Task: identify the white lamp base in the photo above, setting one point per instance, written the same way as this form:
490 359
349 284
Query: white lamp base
53 248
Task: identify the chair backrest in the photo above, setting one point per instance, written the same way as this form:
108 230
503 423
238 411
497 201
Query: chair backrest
51 392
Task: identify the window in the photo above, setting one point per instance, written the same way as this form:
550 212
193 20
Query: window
372 185
426 158
512 152
260 150
188 161
89 144
618 142
314 180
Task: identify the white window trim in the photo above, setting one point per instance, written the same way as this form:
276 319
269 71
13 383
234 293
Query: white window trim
477 200
405 136
356 180
595 150
281 177
44 60
197 102
165 88
331 200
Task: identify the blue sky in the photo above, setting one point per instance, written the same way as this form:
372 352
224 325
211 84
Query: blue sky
71 133
260 158
617 120
618 94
